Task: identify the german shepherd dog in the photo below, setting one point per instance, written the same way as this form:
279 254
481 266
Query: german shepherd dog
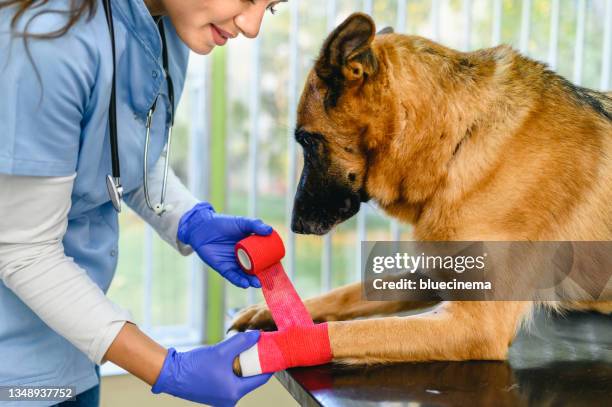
469 146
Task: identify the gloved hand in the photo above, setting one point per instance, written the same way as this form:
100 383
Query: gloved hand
214 236
205 374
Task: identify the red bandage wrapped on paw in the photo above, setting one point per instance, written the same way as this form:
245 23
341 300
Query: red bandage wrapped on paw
294 346
298 341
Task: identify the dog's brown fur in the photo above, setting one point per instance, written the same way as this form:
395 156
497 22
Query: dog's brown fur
483 145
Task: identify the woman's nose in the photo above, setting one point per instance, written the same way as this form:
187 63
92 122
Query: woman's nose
249 21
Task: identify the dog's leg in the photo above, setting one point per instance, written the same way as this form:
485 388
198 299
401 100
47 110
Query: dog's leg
452 331
337 305
346 303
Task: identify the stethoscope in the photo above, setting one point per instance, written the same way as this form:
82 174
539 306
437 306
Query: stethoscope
113 181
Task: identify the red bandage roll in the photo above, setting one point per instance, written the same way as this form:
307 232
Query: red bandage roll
257 253
298 341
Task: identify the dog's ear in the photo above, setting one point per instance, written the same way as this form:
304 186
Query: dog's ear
386 30
347 50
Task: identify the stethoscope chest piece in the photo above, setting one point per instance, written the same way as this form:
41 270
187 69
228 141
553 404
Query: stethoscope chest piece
115 191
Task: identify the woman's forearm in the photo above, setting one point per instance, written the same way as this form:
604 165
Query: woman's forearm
134 351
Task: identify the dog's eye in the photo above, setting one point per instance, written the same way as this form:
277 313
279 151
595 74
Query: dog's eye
304 141
307 140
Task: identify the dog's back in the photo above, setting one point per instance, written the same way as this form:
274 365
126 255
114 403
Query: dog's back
531 153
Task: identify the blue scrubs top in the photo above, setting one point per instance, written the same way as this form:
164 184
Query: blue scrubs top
54 122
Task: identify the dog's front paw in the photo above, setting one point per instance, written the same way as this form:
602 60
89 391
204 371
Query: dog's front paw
253 317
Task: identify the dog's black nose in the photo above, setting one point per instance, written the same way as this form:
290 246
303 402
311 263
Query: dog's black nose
297 226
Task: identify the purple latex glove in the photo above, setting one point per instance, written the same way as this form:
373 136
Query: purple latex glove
213 237
205 374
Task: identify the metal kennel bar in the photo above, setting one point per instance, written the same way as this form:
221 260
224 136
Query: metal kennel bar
497 22
435 20
199 139
606 63
467 24
291 119
147 304
254 113
579 45
553 42
525 27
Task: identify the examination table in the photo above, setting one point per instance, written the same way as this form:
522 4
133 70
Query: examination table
559 361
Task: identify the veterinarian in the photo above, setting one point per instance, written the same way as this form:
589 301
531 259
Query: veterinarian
63 178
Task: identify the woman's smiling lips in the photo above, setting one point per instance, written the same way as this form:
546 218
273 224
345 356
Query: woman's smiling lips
219 36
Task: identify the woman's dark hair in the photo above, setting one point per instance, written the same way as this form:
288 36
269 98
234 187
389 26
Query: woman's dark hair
77 10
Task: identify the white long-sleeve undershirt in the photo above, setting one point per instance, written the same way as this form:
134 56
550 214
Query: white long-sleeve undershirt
178 200
34 266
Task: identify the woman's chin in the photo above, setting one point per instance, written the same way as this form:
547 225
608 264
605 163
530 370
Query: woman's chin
202 50
200 46
197 42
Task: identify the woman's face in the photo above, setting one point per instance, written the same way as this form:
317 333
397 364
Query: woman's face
204 24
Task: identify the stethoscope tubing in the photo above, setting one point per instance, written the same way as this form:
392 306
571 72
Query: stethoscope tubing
112 112
113 180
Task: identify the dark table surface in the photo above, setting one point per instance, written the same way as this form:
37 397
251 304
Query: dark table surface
560 361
